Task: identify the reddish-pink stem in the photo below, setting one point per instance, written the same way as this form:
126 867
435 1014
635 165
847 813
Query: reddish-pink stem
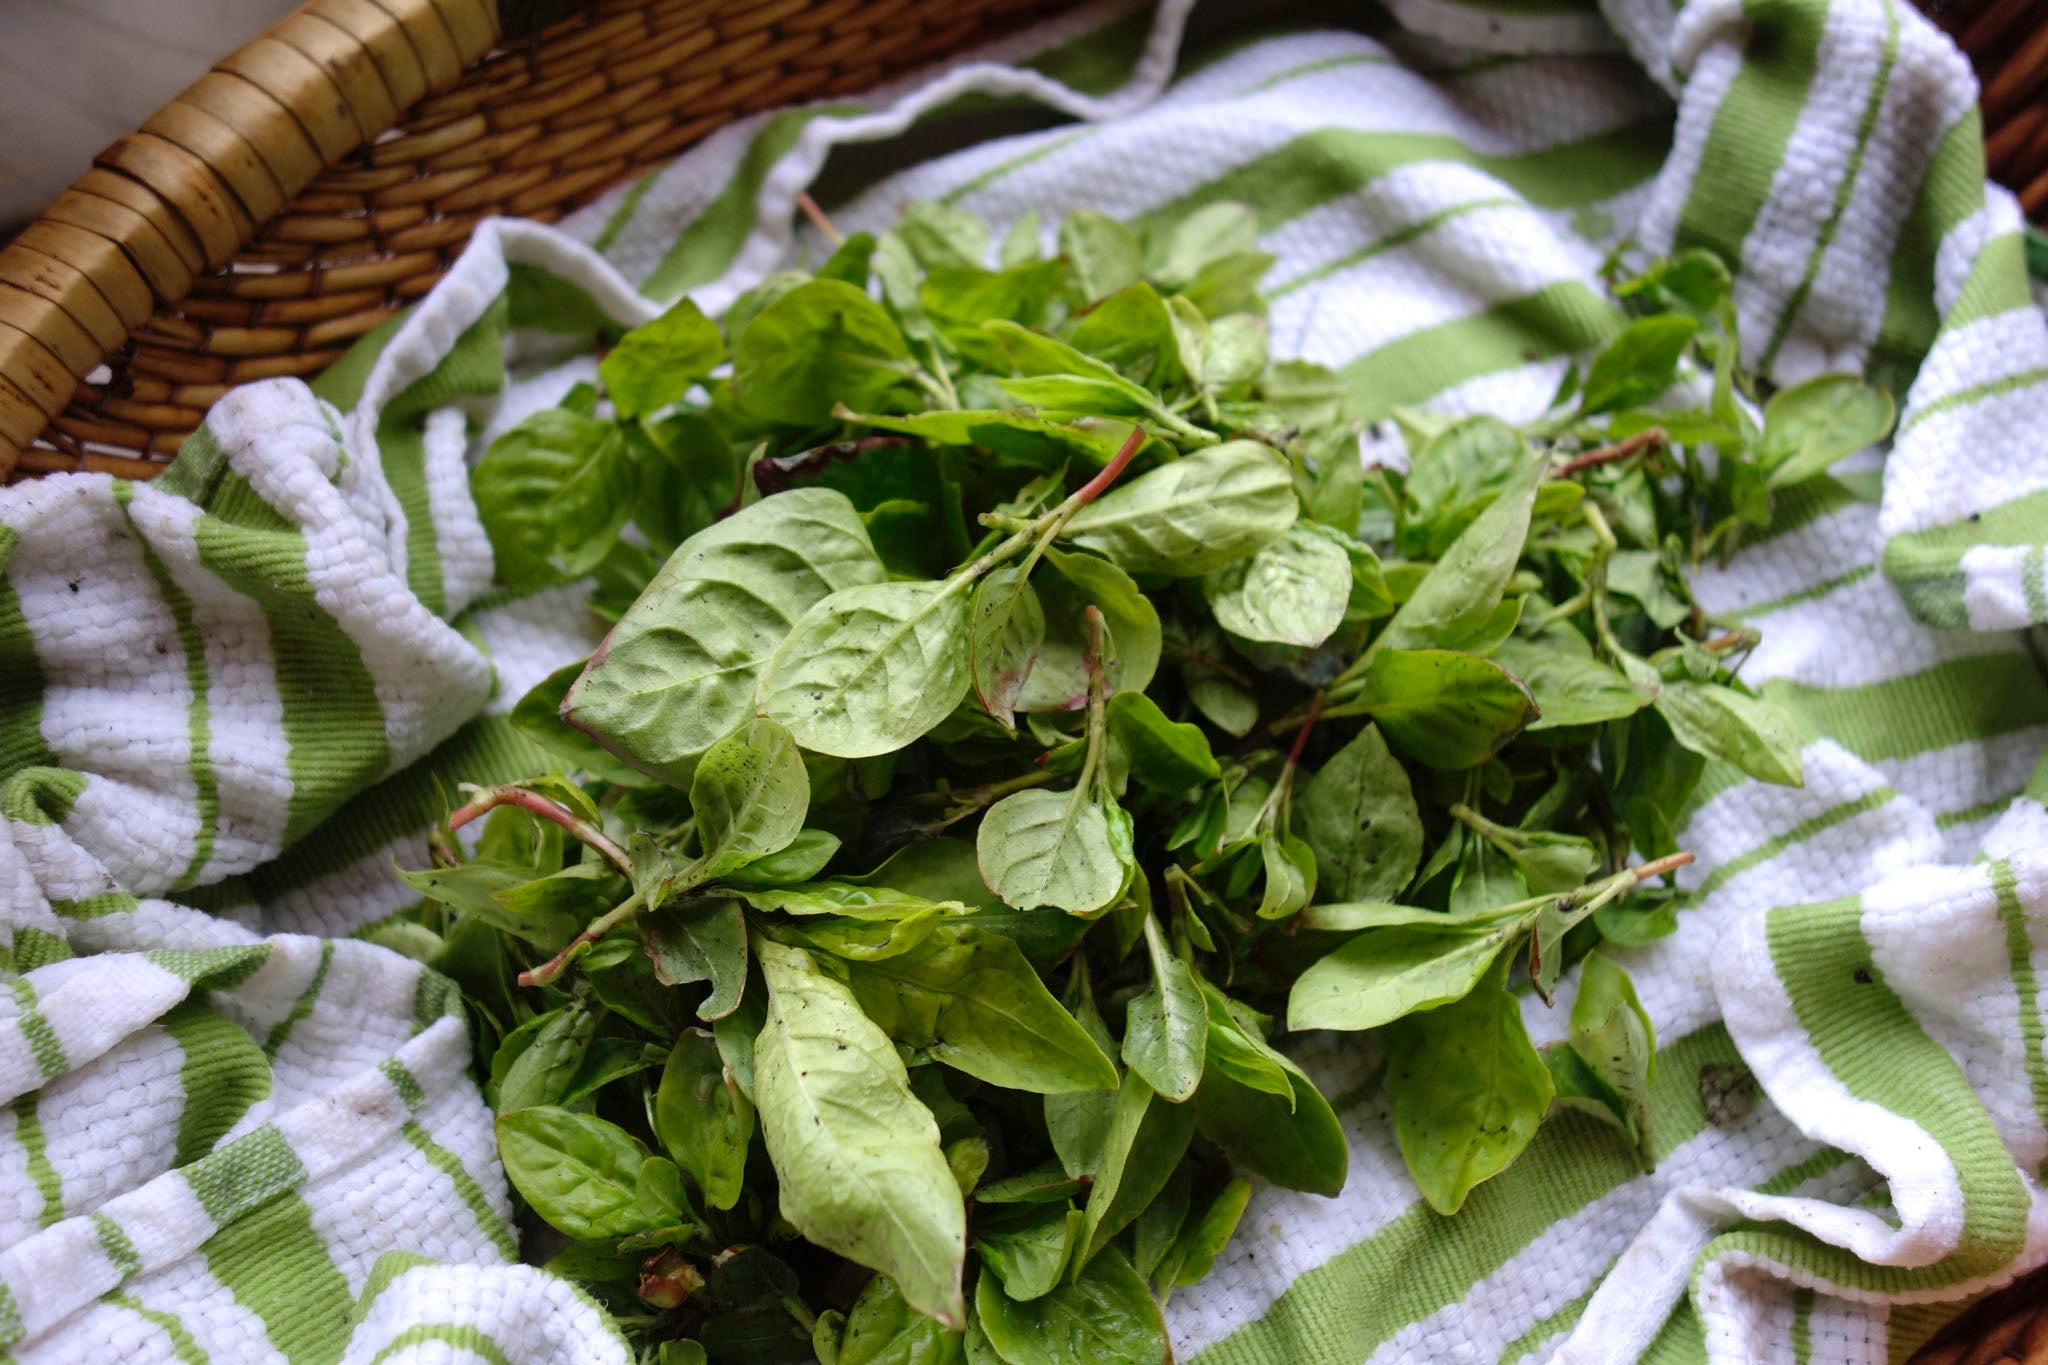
491 798
1669 863
1315 711
1093 488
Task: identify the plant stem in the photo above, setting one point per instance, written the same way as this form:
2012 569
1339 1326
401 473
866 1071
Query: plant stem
1098 701
611 919
1046 527
1210 662
508 795
1653 438
818 218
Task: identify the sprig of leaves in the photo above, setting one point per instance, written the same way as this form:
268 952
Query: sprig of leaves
1019 695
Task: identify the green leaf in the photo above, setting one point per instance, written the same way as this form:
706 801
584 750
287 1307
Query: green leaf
654 364
1237 1051
1066 849
1719 722
934 870
541 1071
958 297
800 860
970 999
1448 709
1167 755
1194 1252
1103 254
1292 592
1569 688
578 1172
1235 354
1383 974
474 888
538 716
1209 234
1811 425
689 477
1293 1140
1153 1234
1104 1316
750 795
1290 867
1612 1034
1638 365
700 940
853 898
1486 879
1046 1183
1193 516
883 1329
1027 1247
678 672
1359 818
1145 1141
1024 435
1059 680
1132 331
857 1156
1079 1123
1223 703
1166 1026
1006 631
1230 284
553 493
1020 243
872 668
862 940
1463 589
822 343
940 235
1466 1090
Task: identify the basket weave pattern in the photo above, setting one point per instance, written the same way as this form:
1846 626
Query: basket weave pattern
211 248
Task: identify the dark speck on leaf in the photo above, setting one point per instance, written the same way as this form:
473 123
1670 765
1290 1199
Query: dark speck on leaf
1863 977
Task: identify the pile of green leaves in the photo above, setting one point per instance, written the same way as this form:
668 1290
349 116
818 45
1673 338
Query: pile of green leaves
1021 703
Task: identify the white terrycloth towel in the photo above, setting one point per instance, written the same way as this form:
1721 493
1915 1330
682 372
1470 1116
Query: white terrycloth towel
246 687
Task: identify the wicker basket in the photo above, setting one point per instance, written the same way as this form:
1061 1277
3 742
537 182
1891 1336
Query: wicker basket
326 174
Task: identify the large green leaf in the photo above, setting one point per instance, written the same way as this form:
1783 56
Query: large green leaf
1195 515
1449 709
821 344
871 668
1466 1089
1463 588
1384 974
678 671
1104 1316
750 795
553 493
968 998
703 1120
578 1171
1291 592
1358 816
856 1155
1066 849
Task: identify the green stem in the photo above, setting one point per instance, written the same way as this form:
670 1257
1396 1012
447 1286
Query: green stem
1098 702
611 919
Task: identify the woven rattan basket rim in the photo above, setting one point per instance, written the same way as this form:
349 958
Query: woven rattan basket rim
324 175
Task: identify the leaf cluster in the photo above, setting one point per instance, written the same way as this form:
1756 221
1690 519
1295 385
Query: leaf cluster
1019 697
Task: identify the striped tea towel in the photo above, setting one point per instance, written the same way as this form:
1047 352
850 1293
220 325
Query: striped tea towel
230 700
